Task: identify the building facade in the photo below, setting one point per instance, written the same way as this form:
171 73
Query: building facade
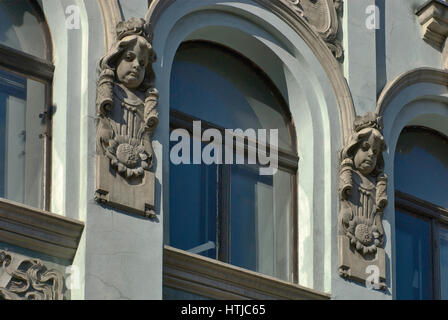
200 149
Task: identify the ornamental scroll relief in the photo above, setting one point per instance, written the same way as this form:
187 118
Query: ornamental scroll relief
127 117
363 197
28 279
322 15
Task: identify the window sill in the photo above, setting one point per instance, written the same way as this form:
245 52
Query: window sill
39 230
218 280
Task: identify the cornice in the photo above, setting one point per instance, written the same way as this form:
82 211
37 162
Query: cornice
38 230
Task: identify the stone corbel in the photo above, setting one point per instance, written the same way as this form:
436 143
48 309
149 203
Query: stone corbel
433 17
362 200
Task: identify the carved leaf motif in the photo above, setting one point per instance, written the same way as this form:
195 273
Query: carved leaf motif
322 15
31 280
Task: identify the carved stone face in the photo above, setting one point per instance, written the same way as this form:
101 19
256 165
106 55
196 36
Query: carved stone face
132 65
366 156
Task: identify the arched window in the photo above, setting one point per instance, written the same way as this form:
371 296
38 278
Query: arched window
421 218
26 74
224 211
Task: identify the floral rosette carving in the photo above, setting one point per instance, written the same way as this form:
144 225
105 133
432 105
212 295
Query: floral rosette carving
364 235
128 156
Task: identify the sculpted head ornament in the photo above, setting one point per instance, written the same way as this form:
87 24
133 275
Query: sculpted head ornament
363 197
127 117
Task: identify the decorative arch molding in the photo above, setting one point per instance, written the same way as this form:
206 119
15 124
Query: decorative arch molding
400 83
321 15
111 14
299 15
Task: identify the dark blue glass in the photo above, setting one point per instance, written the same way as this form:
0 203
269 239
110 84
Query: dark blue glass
421 166
413 258
20 29
193 207
218 87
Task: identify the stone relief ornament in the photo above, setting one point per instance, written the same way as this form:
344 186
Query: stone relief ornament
322 15
28 279
363 197
127 117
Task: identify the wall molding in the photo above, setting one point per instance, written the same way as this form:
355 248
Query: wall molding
38 230
217 280
111 14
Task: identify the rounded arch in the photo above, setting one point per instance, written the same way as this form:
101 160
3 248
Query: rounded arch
304 70
416 98
45 30
298 23
24 28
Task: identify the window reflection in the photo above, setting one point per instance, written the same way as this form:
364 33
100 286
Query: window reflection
21 102
413 257
259 221
229 211
421 180
216 86
193 208
427 153
20 29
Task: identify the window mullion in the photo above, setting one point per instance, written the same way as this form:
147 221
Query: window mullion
47 136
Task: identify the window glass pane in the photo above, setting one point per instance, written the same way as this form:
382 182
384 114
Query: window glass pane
413 259
260 208
193 208
219 87
20 29
444 262
21 148
421 165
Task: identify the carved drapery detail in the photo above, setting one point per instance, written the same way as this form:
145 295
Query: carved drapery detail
363 198
127 117
28 279
322 15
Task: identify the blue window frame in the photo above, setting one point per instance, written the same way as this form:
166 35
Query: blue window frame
231 212
26 75
421 217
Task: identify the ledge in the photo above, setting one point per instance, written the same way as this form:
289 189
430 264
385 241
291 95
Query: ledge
217 280
433 16
39 230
